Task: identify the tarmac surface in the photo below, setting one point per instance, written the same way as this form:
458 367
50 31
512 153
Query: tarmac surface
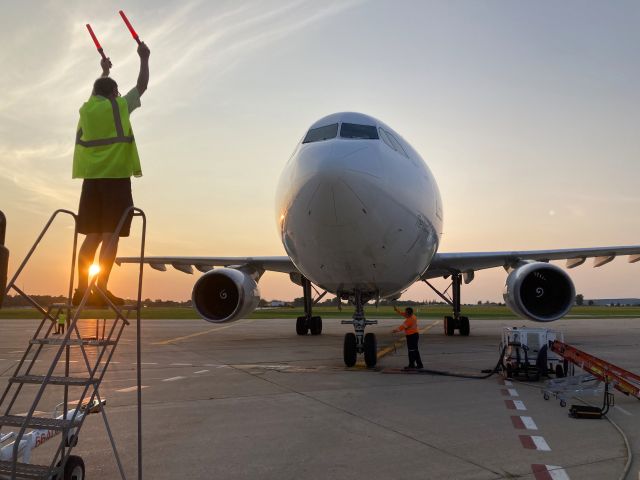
252 400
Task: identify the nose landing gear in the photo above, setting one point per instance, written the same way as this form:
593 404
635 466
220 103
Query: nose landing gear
358 342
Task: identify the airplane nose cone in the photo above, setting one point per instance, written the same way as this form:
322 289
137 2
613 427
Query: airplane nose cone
343 192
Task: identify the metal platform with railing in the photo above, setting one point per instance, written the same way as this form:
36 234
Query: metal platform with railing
93 353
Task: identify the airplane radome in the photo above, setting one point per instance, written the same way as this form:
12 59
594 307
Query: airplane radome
360 216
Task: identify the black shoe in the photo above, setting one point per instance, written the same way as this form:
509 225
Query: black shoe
115 300
77 297
409 367
420 367
94 300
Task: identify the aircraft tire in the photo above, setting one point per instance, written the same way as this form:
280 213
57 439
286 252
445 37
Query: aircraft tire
302 326
350 351
465 329
315 325
449 326
370 350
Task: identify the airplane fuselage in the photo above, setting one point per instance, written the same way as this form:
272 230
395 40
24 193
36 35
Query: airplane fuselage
358 208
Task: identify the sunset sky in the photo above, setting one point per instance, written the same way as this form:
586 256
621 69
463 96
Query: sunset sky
526 112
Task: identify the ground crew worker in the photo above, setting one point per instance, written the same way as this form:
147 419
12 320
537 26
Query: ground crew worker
106 157
62 319
410 327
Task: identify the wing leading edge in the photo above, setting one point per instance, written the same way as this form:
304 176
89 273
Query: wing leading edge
444 264
204 264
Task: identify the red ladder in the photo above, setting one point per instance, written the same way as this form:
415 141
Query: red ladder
623 380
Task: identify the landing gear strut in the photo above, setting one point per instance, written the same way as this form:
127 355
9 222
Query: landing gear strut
358 342
457 321
308 323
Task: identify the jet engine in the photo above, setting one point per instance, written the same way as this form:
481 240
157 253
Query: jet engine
225 295
539 291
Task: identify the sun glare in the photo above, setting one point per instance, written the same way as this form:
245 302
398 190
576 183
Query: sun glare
94 270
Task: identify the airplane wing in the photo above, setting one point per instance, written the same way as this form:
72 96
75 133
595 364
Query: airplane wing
444 264
204 264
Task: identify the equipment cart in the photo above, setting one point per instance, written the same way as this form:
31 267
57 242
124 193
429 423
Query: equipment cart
526 353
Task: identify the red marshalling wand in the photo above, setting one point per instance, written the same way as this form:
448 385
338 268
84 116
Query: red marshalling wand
128 24
95 40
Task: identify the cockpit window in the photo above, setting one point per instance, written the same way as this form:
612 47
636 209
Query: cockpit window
392 142
321 133
353 130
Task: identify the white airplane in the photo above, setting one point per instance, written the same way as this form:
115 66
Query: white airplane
360 216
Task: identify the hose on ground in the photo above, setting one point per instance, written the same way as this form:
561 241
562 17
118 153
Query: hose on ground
489 373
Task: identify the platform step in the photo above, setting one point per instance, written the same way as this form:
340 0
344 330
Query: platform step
25 471
92 342
39 379
37 422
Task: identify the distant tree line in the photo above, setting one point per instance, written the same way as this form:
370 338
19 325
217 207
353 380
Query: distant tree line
45 300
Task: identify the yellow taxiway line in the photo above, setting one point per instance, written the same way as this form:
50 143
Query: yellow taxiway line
397 343
197 334
393 347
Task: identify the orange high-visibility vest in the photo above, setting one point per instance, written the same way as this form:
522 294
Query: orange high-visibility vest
410 324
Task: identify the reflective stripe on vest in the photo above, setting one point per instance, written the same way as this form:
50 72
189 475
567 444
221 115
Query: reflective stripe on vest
119 138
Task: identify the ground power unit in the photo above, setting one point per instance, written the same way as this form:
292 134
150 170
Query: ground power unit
526 353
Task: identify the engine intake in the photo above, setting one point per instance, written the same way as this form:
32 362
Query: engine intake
225 295
539 291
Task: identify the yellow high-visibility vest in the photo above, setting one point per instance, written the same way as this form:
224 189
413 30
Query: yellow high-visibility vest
105 146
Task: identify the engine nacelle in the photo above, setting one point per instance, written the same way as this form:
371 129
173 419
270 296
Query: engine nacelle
225 295
539 291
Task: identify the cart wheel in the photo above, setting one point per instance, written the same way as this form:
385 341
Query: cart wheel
545 395
563 403
74 468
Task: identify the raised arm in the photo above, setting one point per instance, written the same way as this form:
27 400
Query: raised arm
106 65
143 76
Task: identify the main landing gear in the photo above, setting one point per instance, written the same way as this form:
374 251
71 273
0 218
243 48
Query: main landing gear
309 323
457 321
358 342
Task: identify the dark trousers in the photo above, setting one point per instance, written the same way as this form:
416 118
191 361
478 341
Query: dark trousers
412 350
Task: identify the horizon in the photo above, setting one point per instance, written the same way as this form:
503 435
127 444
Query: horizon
525 113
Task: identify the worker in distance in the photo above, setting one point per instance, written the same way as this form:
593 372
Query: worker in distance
410 328
106 157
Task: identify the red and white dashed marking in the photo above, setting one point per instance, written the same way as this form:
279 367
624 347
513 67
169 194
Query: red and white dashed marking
549 472
511 392
515 405
534 442
523 423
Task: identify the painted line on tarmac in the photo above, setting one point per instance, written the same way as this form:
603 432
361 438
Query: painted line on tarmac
197 334
385 351
515 405
131 389
173 379
549 472
523 423
534 442
626 413
200 371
